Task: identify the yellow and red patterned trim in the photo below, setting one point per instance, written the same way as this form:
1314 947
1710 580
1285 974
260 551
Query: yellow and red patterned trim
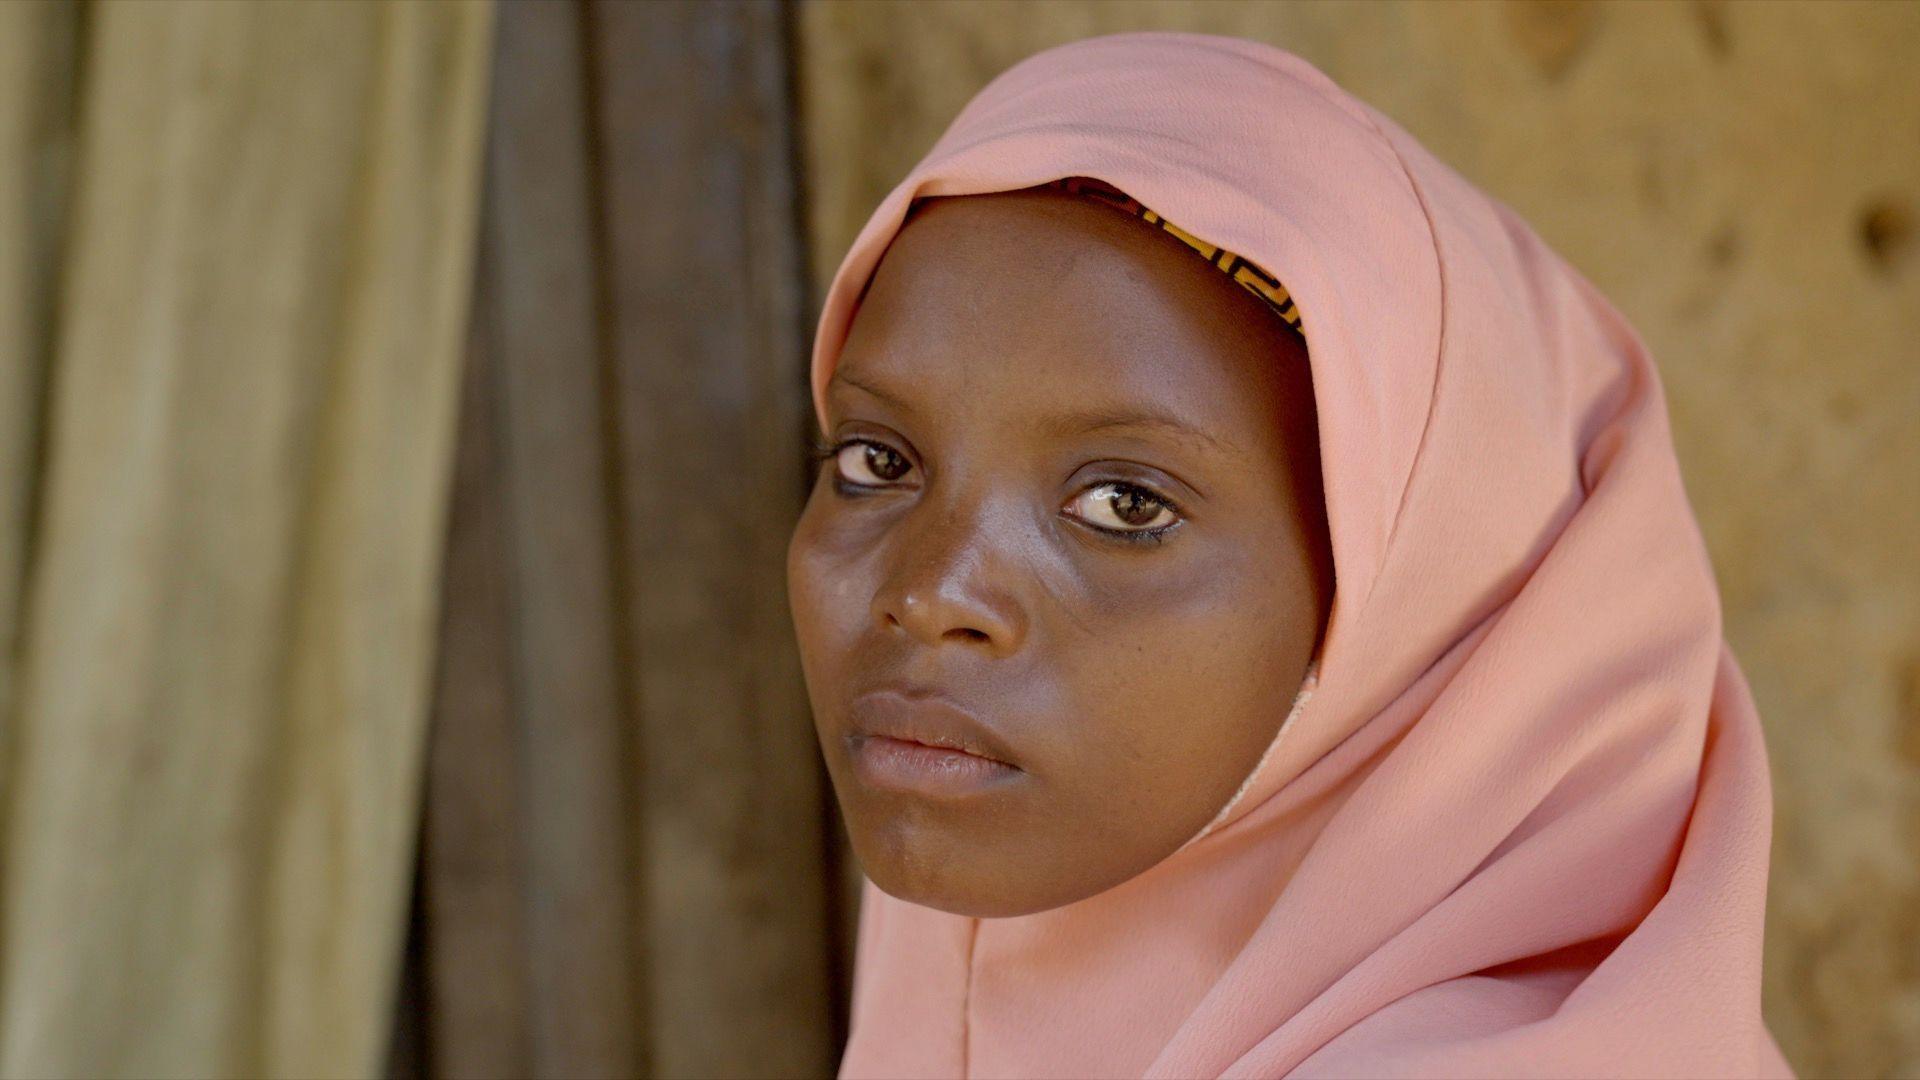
1251 277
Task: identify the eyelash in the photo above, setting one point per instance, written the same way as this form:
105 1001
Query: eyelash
825 451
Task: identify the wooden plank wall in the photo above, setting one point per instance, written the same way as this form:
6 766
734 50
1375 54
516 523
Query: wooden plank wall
628 846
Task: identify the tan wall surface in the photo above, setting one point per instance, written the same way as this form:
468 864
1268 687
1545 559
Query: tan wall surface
1743 181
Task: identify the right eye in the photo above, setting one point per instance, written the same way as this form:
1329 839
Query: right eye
869 464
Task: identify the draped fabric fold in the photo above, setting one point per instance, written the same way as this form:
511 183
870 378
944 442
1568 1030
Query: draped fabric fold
229 413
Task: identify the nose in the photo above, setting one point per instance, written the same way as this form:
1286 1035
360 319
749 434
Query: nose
942 586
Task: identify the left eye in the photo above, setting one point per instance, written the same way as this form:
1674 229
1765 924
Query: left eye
1124 508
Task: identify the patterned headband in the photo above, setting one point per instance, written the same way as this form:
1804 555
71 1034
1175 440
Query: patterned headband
1252 278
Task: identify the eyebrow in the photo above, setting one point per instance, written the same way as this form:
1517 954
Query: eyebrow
840 376
1085 421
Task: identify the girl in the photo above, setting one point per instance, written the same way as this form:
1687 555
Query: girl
1252 616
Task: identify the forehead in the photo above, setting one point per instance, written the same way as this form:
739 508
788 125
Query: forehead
1027 304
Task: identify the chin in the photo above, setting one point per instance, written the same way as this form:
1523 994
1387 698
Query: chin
905 863
974 902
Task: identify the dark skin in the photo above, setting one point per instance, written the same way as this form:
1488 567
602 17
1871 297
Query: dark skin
955 538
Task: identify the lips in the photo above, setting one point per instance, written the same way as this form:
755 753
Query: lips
916 717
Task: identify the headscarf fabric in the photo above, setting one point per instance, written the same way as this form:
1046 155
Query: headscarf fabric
1519 826
1245 274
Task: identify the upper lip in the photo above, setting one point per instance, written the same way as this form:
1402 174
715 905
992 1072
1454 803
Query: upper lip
918 714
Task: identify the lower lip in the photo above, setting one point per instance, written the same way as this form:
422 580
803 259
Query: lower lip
926 770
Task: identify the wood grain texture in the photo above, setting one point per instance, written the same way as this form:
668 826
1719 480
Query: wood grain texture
224 659
1743 180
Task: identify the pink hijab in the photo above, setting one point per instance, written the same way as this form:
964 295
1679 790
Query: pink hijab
1517 822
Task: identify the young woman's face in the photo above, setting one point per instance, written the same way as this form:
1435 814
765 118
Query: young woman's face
1107 614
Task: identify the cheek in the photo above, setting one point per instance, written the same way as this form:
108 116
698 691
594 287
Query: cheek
1175 679
835 567
823 600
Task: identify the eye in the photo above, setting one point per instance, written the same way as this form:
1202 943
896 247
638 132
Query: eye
1127 510
868 464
